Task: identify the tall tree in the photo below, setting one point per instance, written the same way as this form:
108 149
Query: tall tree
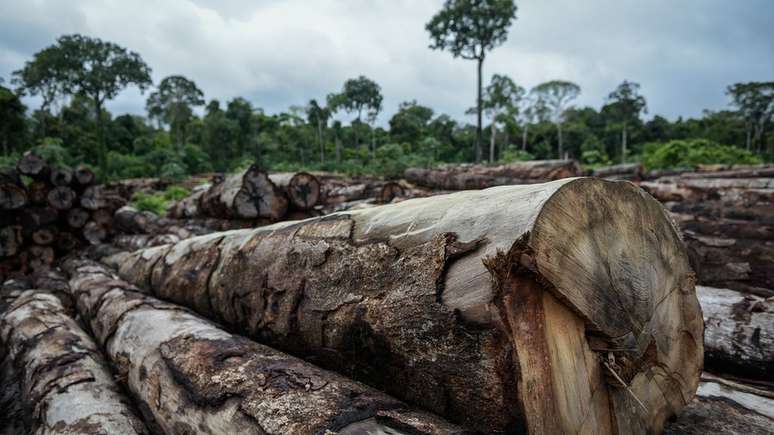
468 29
358 95
502 96
38 79
625 105
556 95
12 120
755 101
318 116
96 69
172 104
241 112
409 123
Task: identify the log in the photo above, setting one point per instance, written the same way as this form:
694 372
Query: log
492 307
196 378
390 191
38 257
725 407
12 197
187 207
10 240
248 194
103 217
738 171
94 233
732 263
61 177
133 242
624 171
302 188
129 220
722 183
67 242
33 166
77 217
61 198
721 227
84 176
64 384
32 218
469 176
37 192
44 235
738 335
99 197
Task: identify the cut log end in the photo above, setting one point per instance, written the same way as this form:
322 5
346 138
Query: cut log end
12 197
391 191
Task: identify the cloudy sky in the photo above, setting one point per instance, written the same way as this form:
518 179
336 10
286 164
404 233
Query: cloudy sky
279 53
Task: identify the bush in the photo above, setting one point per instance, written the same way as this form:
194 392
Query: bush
693 152
152 203
516 155
175 193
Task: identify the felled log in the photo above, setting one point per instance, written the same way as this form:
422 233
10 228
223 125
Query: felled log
196 378
721 227
390 191
722 183
61 177
94 233
65 386
44 235
37 192
187 207
12 197
469 176
738 335
624 171
61 198
77 217
733 171
474 305
301 188
33 166
10 240
133 242
725 407
723 210
248 194
84 177
99 197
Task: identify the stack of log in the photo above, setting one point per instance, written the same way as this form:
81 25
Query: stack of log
727 218
48 212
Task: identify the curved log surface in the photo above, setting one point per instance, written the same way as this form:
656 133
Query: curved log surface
64 385
193 377
302 188
249 194
500 309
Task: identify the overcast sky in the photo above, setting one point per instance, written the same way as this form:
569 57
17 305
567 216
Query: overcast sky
278 53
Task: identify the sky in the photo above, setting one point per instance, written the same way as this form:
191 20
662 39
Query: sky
279 53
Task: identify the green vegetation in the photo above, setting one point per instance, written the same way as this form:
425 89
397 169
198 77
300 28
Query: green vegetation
82 73
158 202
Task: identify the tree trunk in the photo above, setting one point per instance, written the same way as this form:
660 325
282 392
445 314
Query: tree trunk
193 377
559 135
77 217
301 188
338 150
248 194
524 137
320 141
101 135
467 176
623 144
493 135
748 138
479 129
65 386
456 302
738 337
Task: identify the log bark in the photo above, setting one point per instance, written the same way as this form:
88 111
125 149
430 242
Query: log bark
720 227
65 386
725 407
12 197
44 235
61 198
722 183
475 305
390 191
37 192
99 197
94 233
133 242
187 207
302 188
77 217
10 240
624 171
196 378
739 171
33 166
249 194
738 336
84 176
129 220
469 176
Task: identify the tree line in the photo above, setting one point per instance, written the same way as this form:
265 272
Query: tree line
74 78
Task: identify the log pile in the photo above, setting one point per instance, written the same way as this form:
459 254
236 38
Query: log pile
47 212
727 218
460 305
470 176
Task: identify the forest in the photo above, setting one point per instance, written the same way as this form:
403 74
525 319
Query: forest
185 133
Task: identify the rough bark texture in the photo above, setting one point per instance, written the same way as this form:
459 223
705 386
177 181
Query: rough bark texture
63 383
390 191
468 176
249 194
33 166
725 407
12 197
624 171
481 306
193 377
302 188
738 335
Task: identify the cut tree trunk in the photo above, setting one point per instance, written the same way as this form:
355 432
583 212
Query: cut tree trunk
33 166
500 309
37 192
94 233
77 217
193 377
301 188
45 235
129 220
64 384
10 240
624 171
467 176
84 176
738 335
390 191
61 177
61 198
188 207
12 197
249 194
725 407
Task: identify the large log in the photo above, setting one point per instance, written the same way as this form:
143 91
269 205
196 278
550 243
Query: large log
12 197
301 188
64 385
501 309
725 407
10 240
624 171
84 176
739 332
469 176
193 377
248 194
33 166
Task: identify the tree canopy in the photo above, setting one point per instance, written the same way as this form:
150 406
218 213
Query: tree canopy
172 104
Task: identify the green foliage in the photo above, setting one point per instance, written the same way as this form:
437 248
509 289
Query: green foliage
690 153
175 193
158 202
172 104
515 155
53 151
